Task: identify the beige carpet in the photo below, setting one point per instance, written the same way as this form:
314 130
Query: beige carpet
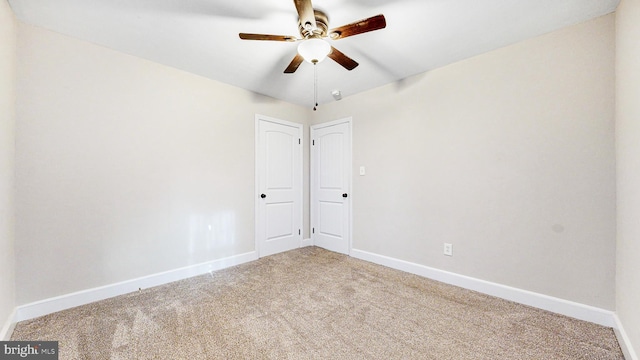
314 304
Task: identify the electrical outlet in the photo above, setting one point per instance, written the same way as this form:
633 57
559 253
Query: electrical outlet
448 249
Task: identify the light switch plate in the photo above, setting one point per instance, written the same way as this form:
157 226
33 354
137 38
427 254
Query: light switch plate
448 249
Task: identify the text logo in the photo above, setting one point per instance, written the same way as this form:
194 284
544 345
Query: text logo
41 350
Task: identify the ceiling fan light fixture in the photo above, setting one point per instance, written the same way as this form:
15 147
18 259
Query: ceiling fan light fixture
314 50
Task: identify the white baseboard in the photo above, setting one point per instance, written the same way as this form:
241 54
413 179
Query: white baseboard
48 306
549 303
623 340
7 329
564 307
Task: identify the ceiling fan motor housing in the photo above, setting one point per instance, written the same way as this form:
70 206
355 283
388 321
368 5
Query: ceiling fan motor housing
322 26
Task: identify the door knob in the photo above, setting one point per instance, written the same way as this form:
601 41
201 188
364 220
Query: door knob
344 195
263 196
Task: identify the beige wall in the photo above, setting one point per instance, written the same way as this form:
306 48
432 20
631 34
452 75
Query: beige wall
509 156
628 167
7 140
123 164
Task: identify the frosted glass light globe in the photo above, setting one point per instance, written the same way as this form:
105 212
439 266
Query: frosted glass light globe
314 50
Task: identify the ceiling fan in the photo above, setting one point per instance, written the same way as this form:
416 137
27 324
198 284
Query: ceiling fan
313 27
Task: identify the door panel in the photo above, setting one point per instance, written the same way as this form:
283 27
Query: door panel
279 155
279 220
330 167
330 182
330 219
279 185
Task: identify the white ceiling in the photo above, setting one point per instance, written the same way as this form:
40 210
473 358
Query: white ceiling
201 36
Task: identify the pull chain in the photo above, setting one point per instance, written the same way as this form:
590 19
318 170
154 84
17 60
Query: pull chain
315 84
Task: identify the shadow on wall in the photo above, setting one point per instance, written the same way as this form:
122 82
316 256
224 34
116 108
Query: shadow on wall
262 99
409 82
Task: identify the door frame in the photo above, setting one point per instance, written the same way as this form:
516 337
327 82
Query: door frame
256 197
312 177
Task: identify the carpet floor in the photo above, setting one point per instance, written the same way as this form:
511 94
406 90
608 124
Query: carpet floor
310 303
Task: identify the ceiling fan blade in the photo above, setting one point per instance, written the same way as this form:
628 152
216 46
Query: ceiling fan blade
245 36
295 63
342 59
370 24
306 14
